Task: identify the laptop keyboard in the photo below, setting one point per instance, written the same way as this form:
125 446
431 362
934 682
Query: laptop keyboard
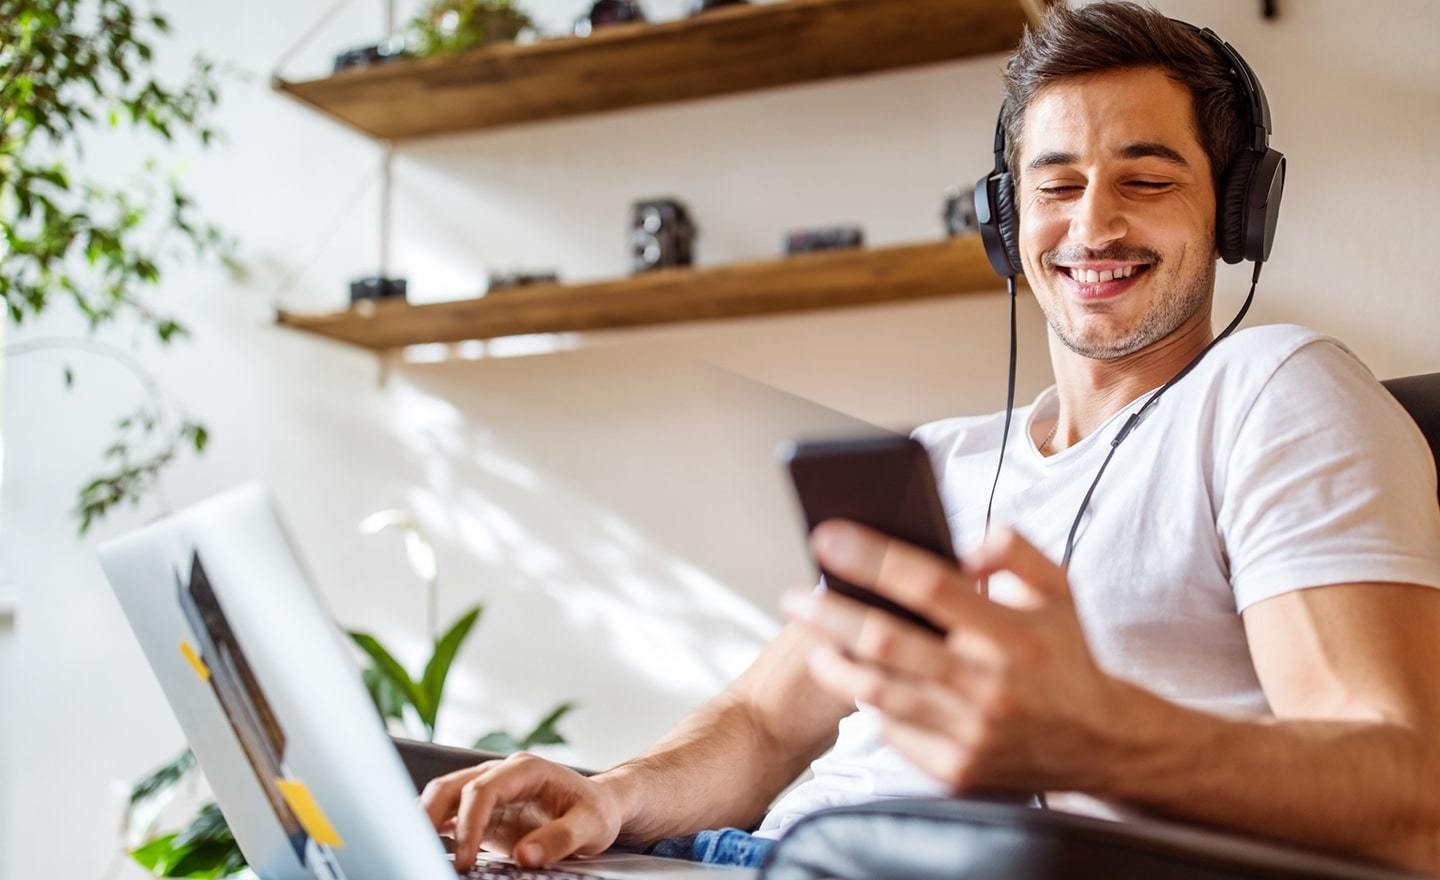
503 871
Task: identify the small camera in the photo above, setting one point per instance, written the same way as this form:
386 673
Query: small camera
826 238
604 13
959 215
370 55
373 288
661 235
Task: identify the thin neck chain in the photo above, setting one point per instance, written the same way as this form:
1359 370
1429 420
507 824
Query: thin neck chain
1045 444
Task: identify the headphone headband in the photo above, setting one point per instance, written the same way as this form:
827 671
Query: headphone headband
1254 93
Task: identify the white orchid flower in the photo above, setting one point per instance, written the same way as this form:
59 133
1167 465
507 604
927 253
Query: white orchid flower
419 552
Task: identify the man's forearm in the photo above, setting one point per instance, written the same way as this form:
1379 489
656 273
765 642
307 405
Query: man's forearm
718 767
1368 789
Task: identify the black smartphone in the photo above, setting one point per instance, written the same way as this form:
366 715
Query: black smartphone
885 483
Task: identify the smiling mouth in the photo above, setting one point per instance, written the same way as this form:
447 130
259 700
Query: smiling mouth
1089 283
1082 275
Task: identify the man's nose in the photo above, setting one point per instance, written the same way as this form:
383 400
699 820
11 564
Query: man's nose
1099 218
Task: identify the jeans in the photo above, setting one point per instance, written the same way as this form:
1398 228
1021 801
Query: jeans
720 846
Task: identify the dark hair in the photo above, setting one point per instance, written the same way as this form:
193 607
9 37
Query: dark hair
1117 35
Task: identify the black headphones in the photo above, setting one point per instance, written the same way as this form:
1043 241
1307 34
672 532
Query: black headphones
1247 203
1247 207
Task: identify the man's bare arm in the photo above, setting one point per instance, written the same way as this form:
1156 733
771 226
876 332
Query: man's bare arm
727 761
1352 761
1014 699
720 766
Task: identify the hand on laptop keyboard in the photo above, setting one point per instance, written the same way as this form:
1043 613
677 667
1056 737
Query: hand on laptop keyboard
539 811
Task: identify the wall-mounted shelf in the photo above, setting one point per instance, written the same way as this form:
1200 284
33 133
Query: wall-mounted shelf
727 50
808 281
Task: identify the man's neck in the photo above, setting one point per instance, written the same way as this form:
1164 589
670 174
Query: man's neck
1091 391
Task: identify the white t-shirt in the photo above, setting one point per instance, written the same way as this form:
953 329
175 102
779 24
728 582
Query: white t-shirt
1278 464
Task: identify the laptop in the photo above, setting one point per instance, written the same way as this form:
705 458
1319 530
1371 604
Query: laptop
269 696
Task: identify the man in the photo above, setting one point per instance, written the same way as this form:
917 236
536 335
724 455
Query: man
1245 635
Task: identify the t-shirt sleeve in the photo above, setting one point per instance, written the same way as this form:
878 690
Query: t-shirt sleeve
1328 481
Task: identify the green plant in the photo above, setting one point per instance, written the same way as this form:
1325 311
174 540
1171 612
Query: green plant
71 70
204 848
391 687
445 27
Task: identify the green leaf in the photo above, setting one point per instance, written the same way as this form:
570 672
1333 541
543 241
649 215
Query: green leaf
388 699
165 776
386 664
432 681
497 741
545 733
209 860
69 377
197 435
167 329
208 826
157 856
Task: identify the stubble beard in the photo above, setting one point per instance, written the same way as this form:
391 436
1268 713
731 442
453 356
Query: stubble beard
1172 309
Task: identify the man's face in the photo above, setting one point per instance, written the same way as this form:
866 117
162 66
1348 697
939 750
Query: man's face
1117 210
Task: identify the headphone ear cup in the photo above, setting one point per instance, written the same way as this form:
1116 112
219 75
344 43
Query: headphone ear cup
1230 214
987 215
1007 220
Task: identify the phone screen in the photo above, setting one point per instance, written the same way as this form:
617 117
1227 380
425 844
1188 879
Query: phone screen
885 483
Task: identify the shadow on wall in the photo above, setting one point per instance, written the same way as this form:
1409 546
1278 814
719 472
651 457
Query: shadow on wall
630 533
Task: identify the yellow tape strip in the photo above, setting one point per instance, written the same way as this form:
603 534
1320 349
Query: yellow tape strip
187 651
309 813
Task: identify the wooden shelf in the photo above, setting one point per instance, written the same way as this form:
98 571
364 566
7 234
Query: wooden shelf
727 50
808 281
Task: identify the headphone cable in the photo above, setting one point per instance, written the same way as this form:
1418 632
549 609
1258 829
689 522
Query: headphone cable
1009 411
1154 398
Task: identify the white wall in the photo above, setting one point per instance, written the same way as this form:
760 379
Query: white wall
7 700
615 505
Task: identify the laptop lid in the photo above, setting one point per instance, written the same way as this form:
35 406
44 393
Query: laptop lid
268 695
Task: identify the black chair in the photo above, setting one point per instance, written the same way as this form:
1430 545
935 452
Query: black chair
950 839
1420 395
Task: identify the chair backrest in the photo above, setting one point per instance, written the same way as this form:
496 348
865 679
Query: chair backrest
1420 395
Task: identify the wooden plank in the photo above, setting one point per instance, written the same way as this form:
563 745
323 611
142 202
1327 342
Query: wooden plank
728 50
809 281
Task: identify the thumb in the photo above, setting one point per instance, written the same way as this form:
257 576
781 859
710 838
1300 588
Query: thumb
555 840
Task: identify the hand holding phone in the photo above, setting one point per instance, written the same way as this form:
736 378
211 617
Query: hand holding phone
885 483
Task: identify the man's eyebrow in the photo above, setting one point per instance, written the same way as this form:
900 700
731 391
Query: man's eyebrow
1045 160
1153 150
1138 150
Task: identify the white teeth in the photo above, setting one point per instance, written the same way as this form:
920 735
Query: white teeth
1090 276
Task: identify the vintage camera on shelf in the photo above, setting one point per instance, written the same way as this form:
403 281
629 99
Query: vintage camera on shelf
604 13
825 238
503 281
374 288
959 214
661 235
699 6
370 55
